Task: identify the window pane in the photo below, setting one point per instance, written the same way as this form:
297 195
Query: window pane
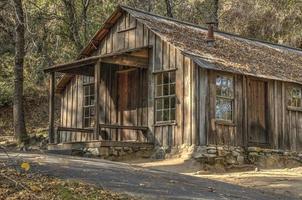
91 89
159 104
92 122
86 112
224 109
92 112
166 103
224 86
295 97
172 77
86 90
159 91
172 89
173 102
87 102
159 79
166 115
86 122
166 77
159 116
91 100
166 90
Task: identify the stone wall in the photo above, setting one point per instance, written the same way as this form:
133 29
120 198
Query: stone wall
237 156
118 153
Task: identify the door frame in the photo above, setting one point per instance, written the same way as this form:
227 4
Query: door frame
266 112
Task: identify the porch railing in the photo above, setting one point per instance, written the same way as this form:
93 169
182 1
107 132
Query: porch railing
111 132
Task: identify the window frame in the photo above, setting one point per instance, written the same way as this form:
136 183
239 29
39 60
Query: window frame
89 84
163 97
289 97
227 98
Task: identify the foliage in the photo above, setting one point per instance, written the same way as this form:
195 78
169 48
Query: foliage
54 35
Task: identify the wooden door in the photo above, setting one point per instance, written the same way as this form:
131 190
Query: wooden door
127 88
257 112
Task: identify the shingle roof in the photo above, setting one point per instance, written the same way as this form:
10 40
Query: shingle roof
230 53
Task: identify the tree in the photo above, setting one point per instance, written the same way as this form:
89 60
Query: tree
18 109
169 7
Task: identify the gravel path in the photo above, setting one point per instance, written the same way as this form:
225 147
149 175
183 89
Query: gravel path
137 181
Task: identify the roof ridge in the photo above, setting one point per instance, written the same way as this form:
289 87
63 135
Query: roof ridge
217 31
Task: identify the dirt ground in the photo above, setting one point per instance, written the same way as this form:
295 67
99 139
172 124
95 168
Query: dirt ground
279 181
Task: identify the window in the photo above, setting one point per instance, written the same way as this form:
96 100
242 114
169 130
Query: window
295 97
88 85
224 97
165 98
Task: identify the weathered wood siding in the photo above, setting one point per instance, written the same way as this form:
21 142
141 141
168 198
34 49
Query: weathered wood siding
72 108
283 125
128 98
128 33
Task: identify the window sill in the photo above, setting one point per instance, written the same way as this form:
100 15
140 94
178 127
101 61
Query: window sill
291 108
225 122
165 124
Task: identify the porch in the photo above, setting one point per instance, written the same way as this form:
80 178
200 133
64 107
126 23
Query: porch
118 105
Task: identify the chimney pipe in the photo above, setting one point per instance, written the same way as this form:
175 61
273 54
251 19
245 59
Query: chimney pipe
210 36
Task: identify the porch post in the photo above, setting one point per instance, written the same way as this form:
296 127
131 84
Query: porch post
51 107
97 81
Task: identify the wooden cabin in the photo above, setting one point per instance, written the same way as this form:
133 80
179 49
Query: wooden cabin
145 79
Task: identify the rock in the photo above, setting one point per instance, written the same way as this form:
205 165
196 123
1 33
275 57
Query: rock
254 149
287 153
212 151
94 151
198 155
104 151
210 155
253 154
235 153
160 153
201 149
279 151
240 160
231 160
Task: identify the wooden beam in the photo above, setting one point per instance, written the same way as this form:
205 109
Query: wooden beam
127 60
97 144
51 107
97 81
113 126
70 129
72 65
127 56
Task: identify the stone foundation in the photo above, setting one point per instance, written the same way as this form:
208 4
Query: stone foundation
116 153
238 156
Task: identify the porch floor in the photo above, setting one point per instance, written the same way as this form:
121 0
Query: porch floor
97 144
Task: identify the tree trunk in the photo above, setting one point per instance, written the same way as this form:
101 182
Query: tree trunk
215 13
169 8
74 27
19 121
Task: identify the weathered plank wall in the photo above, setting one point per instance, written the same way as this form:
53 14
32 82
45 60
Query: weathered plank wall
72 109
128 33
128 98
284 125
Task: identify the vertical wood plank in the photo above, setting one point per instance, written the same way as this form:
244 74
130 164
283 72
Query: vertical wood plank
51 108
180 99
